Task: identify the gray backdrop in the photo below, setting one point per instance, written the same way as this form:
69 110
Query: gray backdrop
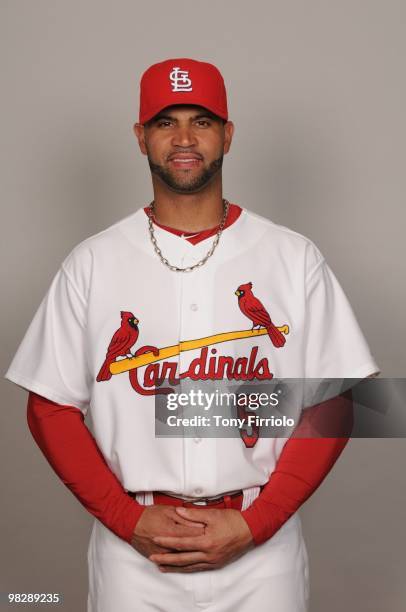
317 94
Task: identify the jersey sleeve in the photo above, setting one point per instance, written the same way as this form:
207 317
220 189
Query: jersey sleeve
51 359
335 346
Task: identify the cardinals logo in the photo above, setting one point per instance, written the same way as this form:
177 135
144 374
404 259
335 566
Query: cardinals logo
255 310
123 339
218 367
201 368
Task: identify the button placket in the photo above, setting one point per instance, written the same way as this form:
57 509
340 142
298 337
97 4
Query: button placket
195 310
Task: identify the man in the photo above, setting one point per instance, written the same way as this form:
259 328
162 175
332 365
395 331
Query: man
191 288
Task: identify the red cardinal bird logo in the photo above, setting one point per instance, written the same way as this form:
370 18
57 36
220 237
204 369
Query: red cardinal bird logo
123 339
254 310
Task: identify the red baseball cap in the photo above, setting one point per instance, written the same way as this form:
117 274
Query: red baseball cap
182 81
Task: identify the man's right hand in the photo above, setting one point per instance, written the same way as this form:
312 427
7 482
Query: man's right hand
161 520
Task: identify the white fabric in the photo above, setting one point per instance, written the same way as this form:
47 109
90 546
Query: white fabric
249 495
117 270
145 498
272 577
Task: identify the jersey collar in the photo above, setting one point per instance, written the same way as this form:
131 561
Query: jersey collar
196 237
233 239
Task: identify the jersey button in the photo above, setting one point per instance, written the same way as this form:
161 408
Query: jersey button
198 491
194 307
197 440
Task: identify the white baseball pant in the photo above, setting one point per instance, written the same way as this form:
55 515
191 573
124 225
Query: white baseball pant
272 577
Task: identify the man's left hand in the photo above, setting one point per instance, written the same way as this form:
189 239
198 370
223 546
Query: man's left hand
226 537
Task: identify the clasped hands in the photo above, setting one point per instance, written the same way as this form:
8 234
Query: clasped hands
180 539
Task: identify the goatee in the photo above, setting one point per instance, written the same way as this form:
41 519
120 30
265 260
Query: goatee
186 187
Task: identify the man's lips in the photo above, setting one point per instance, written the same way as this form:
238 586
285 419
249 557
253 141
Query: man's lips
187 160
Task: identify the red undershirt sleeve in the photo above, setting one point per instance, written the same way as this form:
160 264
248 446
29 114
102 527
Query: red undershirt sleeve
71 450
301 467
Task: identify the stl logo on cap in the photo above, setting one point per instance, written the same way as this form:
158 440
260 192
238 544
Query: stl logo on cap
180 79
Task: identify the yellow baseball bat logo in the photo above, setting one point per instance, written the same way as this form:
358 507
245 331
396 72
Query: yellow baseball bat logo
124 365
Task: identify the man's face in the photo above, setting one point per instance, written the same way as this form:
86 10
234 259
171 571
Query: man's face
185 146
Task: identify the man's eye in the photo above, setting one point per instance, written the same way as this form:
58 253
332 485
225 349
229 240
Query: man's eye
203 122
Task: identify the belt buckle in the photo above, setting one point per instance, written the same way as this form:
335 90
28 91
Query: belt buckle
206 501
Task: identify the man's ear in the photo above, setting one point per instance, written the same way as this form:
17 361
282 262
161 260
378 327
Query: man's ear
139 132
228 135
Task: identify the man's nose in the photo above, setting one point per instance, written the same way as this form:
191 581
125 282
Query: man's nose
183 136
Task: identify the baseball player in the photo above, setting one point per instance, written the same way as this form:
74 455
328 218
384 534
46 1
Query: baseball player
193 288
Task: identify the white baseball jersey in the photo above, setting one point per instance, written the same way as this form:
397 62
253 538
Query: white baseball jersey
112 295
117 271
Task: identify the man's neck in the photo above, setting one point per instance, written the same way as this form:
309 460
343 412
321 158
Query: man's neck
189 213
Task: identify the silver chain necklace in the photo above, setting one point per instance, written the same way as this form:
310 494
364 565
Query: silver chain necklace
209 253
